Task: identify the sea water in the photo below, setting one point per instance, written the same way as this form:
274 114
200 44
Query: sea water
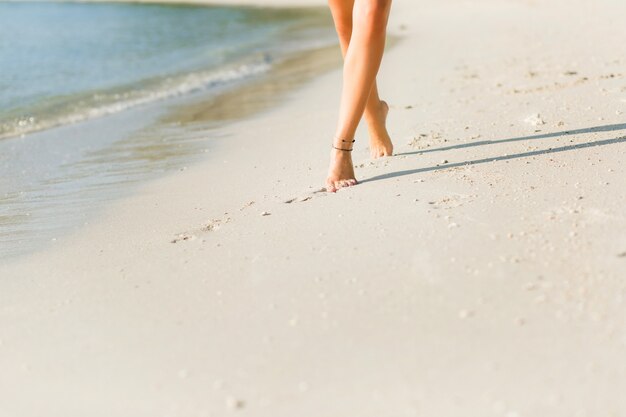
79 80
65 62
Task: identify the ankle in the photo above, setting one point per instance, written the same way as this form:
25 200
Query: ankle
339 156
343 145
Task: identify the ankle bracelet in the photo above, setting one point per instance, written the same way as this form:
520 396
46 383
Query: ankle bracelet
344 141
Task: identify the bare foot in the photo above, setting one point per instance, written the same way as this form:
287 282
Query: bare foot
341 171
380 142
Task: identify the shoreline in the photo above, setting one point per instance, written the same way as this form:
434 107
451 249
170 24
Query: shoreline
302 32
477 272
131 134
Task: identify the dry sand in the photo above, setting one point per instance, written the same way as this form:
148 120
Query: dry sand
480 272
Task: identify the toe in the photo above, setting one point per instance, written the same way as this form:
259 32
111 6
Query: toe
347 183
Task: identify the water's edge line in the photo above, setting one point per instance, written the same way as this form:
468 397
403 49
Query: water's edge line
38 119
168 88
202 102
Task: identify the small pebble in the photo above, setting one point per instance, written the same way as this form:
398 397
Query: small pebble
465 314
234 403
535 120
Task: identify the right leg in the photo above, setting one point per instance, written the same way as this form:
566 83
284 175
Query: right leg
375 110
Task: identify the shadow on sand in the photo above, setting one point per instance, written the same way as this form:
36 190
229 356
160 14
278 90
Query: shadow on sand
598 129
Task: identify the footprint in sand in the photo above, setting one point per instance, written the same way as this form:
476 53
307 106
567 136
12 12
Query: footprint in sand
301 199
215 224
210 226
452 201
425 140
183 237
245 206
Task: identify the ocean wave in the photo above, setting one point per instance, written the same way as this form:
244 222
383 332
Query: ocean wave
66 110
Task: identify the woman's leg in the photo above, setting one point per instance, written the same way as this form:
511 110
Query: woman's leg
362 61
375 110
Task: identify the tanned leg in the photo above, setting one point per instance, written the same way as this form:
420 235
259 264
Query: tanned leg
362 60
376 110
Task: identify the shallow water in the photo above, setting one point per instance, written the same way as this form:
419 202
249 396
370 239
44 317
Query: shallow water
65 62
134 73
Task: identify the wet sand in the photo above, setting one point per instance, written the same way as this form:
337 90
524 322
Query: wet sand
478 272
56 181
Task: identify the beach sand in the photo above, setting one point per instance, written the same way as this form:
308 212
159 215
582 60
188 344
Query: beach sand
479 272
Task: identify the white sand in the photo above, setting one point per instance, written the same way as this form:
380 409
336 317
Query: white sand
432 289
